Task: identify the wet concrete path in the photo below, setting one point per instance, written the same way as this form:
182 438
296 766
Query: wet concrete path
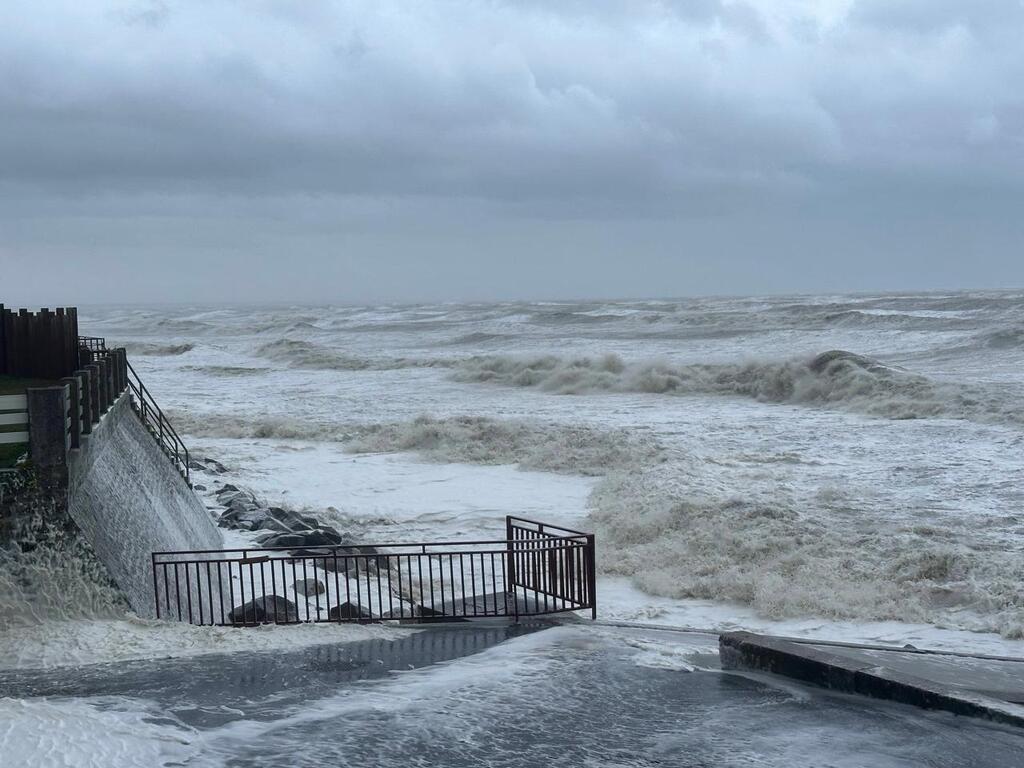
515 696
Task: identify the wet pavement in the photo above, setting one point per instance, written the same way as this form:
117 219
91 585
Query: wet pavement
505 695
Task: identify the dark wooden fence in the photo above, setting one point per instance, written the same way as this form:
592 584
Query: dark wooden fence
39 345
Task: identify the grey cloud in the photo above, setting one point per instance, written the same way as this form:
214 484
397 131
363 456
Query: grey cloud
759 115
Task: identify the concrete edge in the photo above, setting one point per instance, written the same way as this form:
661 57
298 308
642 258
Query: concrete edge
746 650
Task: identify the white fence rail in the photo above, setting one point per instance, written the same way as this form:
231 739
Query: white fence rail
14 413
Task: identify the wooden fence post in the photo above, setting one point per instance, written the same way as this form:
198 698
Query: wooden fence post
74 411
94 391
85 398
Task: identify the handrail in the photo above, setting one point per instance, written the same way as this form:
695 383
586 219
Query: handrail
164 432
145 405
93 343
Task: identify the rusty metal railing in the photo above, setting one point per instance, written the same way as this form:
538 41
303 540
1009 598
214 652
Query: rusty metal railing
539 569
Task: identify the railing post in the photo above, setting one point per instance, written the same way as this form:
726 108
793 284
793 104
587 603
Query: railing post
48 445
121 356
111 380
510 566
74 410
103 380
85 400
94 391
592 575
156 589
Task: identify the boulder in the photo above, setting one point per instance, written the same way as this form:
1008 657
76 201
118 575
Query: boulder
215 466
429 615
335 558
309 587
270 524
317 538
277 610
349 612
241 519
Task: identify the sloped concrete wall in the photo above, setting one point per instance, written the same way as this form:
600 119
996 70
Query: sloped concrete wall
129 501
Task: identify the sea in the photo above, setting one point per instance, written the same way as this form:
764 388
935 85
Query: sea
846 467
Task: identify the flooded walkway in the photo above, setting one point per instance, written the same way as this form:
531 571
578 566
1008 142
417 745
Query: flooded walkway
491 695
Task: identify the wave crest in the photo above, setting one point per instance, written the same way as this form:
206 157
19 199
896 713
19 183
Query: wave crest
832 379
305 354
157 350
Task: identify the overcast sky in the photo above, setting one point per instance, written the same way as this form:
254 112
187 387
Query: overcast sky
253 150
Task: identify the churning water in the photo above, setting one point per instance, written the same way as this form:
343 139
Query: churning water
855 459
831 466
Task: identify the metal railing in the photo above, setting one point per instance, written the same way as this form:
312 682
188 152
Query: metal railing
145 406
158 425
93 343
538 570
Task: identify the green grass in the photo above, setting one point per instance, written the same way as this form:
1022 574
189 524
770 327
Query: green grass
14 385
10 453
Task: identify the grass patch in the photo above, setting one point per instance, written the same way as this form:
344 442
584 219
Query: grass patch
10 453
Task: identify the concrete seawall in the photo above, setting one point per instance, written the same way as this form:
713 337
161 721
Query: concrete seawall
128 500
987 688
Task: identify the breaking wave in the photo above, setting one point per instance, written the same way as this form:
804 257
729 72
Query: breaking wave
1003 338
561 448
788 559
568 449
157 350
304 354
832 379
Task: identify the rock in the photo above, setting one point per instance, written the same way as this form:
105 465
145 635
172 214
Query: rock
335 558
292 520
215 466
278 610
240 502
309 587
349 611
270 524
317 538
429 615
198 487
241 519
227 487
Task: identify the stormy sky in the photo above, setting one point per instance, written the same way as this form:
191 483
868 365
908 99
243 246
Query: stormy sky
319 150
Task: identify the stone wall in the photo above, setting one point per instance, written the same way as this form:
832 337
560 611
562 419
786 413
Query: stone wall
129 500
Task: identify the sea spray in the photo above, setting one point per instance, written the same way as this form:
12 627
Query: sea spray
56 579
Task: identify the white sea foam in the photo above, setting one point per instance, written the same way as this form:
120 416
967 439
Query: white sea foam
787 559
60 579
95 640
103 732
570 449
736 460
